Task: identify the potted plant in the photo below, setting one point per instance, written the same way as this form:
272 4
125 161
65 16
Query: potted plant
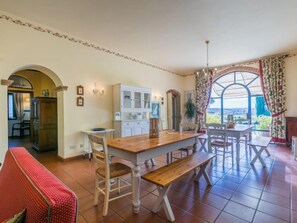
190 110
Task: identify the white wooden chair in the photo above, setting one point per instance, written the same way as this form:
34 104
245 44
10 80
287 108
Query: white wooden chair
190 127
105 171
218 140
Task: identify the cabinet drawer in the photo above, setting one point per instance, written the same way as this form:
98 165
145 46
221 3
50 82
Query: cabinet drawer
127 124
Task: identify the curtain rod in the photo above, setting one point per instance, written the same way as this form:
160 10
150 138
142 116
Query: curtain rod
247 62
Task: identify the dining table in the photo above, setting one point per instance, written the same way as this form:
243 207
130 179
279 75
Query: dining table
137 149
236 132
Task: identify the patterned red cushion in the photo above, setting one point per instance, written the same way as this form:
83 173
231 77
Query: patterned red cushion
17 218
25 183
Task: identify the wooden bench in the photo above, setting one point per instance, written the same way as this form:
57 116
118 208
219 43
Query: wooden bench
203 139
262 142
166 175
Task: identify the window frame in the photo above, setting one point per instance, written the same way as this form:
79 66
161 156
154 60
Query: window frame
10 95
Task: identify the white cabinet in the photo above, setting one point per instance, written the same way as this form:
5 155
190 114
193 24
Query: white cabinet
134 105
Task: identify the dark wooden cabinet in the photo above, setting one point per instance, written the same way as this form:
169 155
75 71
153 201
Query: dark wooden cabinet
44 123
291 129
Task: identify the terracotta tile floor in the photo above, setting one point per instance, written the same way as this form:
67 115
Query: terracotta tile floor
241 193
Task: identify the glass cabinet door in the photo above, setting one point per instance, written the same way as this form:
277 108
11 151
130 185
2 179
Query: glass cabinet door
127 100
137 99
147 100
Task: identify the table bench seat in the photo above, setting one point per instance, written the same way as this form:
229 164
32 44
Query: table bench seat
166 175
262 142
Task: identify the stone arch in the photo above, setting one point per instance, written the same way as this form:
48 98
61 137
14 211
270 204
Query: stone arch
237 69
60 101
173 92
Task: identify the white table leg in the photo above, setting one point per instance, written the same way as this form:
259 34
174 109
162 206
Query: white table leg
136 188
237 149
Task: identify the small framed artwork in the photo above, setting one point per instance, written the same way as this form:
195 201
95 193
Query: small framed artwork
190 95
80 90
155 110
80 101
117 116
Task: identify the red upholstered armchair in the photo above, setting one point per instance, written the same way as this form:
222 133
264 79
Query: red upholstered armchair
26 184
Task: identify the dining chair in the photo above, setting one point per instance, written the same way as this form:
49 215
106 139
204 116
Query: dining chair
186 127
108 175
245 138
218 140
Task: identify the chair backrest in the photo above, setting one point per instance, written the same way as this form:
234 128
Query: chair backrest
243 121
189 127
216 132
230 118
100 153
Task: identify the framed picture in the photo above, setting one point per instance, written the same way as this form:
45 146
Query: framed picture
80 101
190 95
155 110
80 90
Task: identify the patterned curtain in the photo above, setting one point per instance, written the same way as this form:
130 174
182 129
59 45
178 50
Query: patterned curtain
272 74
18 103
203 91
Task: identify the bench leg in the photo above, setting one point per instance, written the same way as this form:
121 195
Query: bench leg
163 200
267 152
258 155
168 158
202 142
204 173
153 162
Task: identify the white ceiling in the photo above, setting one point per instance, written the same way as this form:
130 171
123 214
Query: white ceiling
172 33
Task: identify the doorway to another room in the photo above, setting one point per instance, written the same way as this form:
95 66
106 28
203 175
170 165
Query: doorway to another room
23 127
173 109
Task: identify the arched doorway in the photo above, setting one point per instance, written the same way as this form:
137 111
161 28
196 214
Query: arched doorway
238 93
231 99
173 109
44 83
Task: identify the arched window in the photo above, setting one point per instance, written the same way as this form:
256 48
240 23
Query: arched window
238 93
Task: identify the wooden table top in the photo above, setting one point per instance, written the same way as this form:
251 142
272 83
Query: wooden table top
141 143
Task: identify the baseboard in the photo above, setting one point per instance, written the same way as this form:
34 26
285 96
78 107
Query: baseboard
71 158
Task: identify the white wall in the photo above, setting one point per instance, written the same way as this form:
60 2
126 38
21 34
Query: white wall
74 65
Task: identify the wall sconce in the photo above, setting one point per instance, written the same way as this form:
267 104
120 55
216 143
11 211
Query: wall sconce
97 91
159 98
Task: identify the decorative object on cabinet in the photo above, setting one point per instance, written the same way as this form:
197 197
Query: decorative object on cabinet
80 90
155 110
154 128
80 101
134 107
291 129
45 92
44 119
